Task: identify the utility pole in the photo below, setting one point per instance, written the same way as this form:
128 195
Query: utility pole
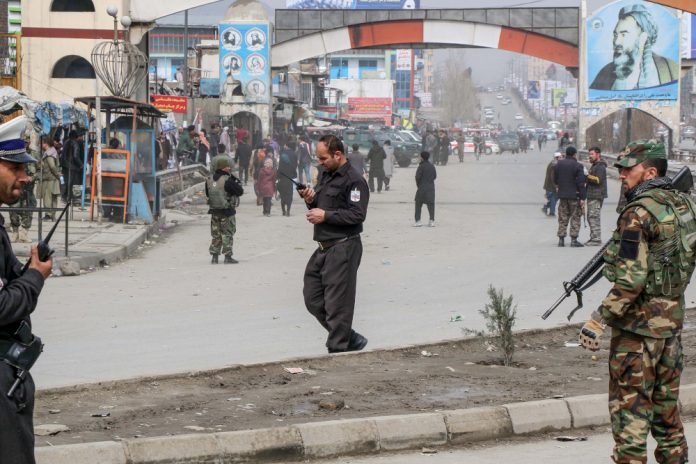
186 41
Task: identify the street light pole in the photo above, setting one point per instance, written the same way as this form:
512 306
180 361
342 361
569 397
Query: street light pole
186 41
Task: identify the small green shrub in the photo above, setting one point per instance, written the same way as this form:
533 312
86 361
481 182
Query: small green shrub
500 316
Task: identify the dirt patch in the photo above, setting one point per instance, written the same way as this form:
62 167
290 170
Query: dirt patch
462 374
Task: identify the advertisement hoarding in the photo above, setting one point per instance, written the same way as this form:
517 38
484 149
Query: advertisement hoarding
245 59
533 90
632 52
353 4
167 103
369 107
403 60
558 96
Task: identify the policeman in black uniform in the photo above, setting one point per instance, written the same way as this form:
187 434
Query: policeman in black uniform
337 208
19 293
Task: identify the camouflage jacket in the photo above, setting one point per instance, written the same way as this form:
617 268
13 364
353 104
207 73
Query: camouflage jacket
632 262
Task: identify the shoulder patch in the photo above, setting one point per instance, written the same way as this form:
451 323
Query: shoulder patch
630 239
355 195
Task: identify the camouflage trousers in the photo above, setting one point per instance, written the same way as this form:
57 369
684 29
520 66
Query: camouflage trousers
222 229
23 218
644 375
569 211
594 213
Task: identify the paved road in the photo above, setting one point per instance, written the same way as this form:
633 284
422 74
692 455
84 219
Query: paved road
595 450
171 311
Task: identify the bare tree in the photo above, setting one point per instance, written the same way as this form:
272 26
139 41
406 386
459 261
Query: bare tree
455 93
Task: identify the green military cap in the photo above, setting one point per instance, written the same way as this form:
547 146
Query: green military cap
640 151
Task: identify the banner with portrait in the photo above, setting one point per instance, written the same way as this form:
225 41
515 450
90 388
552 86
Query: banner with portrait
245 61
533 90
632 52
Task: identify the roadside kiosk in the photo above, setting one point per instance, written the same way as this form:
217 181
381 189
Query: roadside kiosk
130 187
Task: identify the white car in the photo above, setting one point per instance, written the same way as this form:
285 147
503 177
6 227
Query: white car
499 96
519 117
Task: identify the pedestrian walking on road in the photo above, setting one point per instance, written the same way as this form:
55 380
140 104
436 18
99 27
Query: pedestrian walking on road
21 220
266 185
645 309
287 165
356 160
550 186
304 155
388 163
596 193
425 189
223 191
337 209
242 156
569 176
19 295
376 157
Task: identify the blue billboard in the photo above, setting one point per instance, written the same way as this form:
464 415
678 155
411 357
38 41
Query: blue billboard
693 37
632 52
353 4
245 60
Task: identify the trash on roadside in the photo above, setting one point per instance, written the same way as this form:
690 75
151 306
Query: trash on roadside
594 378
294 370
428 451
532 368
451 369
571 344
101 414
426 354
456 318
569 438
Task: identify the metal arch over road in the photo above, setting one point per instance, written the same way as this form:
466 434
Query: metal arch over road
548 33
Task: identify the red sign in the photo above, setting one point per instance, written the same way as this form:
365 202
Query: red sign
167 103
377 107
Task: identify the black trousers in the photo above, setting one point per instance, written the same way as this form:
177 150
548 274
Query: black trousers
16 417
380 181
419 207
330 281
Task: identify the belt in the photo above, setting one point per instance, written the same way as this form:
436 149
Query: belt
323 246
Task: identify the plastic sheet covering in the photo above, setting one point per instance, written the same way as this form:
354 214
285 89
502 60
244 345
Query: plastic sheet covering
42 115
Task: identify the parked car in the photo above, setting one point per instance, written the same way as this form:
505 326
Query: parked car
405 152
508 141
411 135
688 132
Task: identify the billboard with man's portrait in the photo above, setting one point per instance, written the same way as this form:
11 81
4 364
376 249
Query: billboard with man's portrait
633 52
353 4
245 60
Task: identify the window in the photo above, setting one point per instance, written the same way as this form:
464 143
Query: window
73 67
72 5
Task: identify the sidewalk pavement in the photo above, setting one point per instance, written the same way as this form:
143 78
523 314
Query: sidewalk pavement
90 244
371 435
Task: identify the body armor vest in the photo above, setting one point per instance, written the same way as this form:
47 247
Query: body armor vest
218 198
671 257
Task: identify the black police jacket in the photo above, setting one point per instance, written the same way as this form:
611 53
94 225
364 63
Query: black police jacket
18 293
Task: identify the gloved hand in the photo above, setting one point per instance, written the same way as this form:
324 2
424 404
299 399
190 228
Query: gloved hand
590 334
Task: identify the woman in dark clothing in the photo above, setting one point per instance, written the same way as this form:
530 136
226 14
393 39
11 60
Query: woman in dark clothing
287 166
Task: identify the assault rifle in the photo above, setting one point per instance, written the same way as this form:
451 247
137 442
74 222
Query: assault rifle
592 272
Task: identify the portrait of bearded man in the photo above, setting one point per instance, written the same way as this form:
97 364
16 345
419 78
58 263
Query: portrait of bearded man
635 65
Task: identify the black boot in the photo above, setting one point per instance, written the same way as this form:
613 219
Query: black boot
230 260
214 260
574 243
561 241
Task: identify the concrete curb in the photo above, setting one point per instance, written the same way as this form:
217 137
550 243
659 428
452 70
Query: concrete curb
351 436
114 253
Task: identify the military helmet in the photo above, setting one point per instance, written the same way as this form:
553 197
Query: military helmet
640 151
221 162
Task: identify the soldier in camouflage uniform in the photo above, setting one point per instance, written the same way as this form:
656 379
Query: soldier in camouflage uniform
21 220
650 262
596 193
223 191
